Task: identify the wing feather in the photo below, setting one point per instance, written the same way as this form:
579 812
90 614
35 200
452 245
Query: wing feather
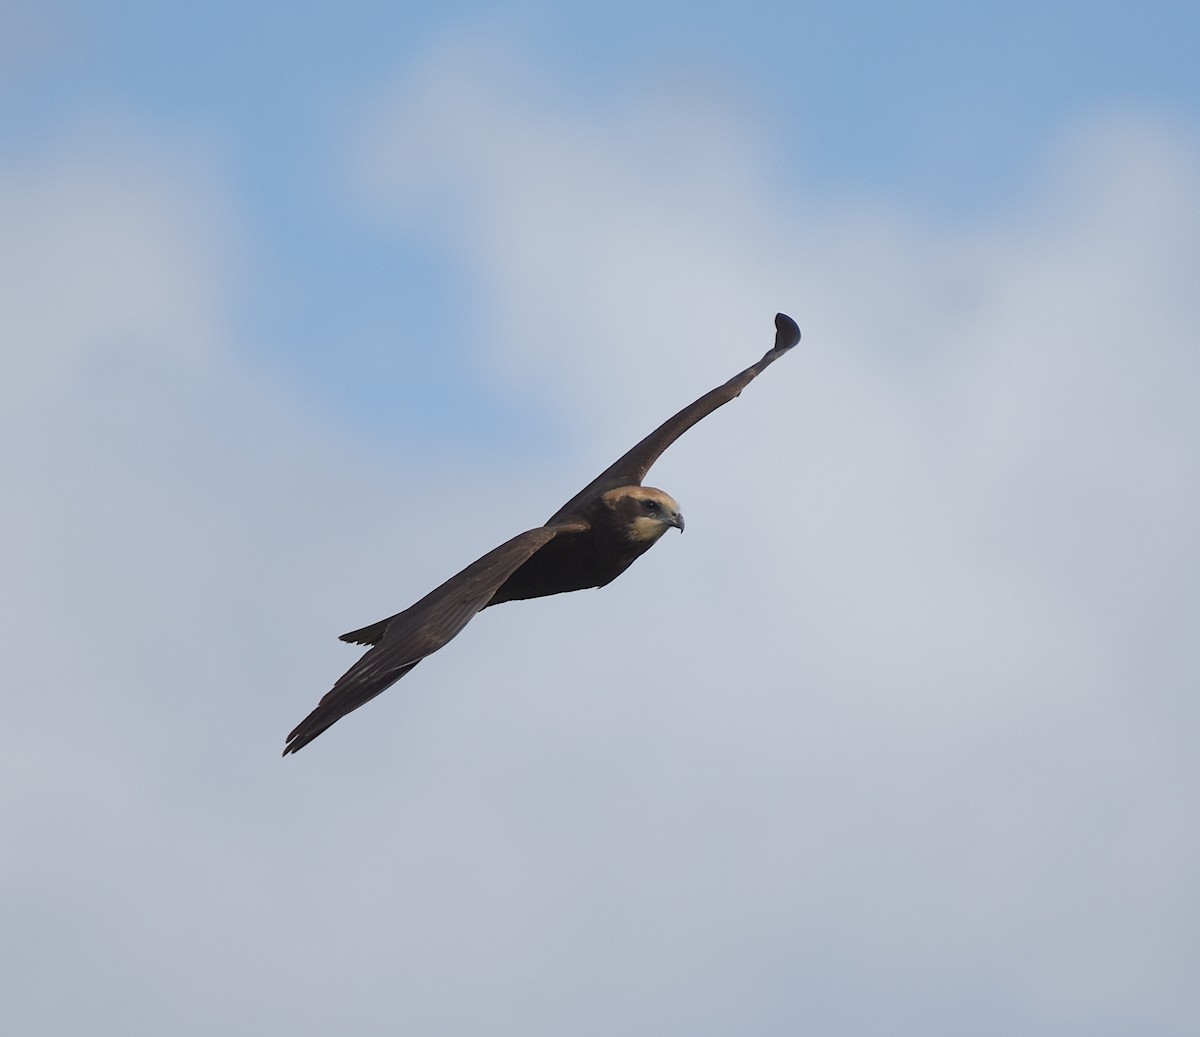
631 468
403 640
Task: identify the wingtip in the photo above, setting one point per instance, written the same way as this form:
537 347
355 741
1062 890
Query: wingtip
295 744
298 738
787 331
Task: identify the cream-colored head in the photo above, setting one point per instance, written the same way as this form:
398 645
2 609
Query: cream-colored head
643 512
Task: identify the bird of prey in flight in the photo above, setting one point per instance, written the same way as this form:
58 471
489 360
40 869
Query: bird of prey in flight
588 542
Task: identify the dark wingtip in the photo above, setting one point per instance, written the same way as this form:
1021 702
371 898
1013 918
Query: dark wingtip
295 741
295 744
787 331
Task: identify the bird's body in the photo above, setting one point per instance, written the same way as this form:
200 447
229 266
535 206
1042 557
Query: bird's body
588 542
598 555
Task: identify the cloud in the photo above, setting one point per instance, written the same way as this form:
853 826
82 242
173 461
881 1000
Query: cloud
898 731
93 256
974 519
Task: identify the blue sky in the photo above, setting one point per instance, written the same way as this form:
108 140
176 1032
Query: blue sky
307 309
942 110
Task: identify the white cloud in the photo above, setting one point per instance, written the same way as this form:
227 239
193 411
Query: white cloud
111 252
900 729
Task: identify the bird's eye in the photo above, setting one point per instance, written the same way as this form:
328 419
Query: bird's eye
651 505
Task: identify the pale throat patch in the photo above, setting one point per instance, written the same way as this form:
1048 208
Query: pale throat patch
644 528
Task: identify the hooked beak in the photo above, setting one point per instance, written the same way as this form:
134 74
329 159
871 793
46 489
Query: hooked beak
676 520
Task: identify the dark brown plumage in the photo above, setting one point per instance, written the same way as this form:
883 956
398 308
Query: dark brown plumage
588 542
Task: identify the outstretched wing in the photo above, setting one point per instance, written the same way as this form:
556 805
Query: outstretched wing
631 469
405 639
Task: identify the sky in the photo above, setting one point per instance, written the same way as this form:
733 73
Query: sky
306 309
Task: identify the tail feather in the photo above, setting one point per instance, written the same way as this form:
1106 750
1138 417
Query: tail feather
369 635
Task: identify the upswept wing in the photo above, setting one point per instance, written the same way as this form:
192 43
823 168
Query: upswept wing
631 469
406 638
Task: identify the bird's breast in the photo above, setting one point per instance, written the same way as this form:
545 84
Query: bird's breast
570 563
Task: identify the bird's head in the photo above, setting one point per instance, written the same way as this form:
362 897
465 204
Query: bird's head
643 513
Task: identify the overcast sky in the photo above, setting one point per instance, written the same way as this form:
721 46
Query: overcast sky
305 309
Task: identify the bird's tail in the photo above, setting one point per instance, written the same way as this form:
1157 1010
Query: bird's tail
368 635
